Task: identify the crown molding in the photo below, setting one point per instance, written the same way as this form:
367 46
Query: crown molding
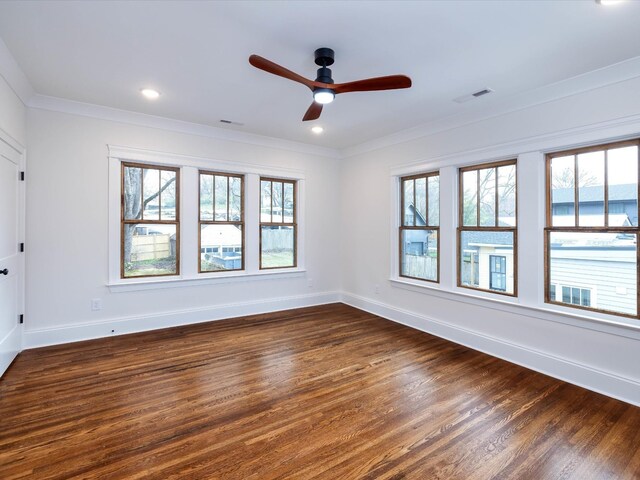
56 104
595 79
13 75
618 129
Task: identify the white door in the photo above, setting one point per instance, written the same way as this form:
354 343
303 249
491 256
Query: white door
11 264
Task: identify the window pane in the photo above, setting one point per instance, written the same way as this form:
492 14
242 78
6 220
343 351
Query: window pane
221 198
151 194
408 203
421 201
476 270
288 202
591 189
487 197
586 298
265 201
220 247
562 191
132 193
277 246
469 198
603 263
575 296
420 254
168 195
149 249
434 200
206 197
552 292
507 196
235 194
622 176
566 294
277 194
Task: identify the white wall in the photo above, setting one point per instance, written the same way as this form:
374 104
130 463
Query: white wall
67 233
603 359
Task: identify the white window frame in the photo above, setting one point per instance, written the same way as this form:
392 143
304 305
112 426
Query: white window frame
189 202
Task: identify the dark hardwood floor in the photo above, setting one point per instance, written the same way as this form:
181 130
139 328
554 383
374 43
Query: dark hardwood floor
327 392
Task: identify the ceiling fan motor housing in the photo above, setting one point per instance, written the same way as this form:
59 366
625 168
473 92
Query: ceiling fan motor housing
324 75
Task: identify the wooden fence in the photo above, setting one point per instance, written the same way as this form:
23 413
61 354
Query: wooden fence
277 240
420 266
150 247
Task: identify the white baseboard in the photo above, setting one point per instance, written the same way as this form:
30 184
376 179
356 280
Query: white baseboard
142 323
624 389
9 348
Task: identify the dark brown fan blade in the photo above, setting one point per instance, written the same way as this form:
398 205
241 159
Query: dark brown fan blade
391 82
268 66
313 112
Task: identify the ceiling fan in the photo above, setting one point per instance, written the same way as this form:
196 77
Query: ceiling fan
323 88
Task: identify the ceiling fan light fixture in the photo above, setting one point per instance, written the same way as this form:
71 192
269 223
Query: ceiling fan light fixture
323 95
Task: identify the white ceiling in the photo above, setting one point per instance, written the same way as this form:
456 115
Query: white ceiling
196 54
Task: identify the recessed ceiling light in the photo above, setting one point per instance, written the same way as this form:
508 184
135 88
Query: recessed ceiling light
317 129
606 3
150 93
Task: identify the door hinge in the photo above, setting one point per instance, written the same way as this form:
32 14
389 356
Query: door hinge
21 318
22 176
21 247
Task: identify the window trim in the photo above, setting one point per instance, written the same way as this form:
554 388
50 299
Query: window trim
124 221
293 224
402 227
461 228
219 222
549 228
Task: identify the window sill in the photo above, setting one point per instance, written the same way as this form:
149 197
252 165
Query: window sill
602 323
202 279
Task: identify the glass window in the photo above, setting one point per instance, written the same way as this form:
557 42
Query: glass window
419 226
487 257
277 223
592 246
221 237
150 242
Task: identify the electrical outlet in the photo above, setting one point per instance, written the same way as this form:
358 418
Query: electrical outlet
376 288
96 304
310 283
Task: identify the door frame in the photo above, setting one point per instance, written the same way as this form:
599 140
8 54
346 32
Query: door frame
17 152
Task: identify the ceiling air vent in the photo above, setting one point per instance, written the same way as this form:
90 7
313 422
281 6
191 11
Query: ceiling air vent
471 96
229 122
482 92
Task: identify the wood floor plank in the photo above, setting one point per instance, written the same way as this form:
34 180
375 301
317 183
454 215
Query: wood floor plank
328 392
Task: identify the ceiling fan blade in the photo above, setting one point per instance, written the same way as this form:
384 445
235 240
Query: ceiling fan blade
391 82
268 66
313 112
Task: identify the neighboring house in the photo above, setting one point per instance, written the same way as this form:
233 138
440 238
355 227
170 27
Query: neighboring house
593 269
221 245
622 200
487 260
